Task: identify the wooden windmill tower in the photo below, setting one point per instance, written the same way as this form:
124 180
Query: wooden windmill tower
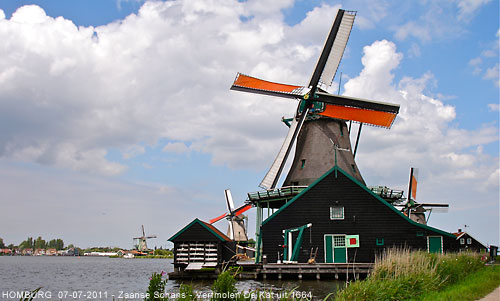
140 242
319 125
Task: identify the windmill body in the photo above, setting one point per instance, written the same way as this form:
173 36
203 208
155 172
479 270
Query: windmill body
318 143
236 226
140 243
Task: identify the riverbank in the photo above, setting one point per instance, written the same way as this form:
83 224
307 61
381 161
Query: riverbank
404 275
476 285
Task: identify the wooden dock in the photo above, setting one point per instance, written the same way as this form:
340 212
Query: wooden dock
315 271
343 271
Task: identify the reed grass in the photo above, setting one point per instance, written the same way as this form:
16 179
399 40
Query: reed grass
401 274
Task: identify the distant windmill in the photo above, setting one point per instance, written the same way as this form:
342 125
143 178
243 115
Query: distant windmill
320 118
236 229
413 209
140 242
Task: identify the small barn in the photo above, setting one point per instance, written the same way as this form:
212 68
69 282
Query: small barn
345 222
200 245
468 243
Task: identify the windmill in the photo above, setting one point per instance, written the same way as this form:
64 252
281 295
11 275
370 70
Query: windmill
140 242
319 125
236 229
411 208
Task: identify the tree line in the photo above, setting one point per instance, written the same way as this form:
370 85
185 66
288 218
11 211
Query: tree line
38 243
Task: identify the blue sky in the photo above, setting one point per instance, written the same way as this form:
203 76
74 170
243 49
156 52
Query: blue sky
118 113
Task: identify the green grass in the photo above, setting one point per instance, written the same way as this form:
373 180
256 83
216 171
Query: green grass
401 275
475 286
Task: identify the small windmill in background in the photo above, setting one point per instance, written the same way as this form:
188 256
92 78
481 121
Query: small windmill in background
413 209
236 229
140 242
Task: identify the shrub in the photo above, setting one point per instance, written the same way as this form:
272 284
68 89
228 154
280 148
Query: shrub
224 286
156 289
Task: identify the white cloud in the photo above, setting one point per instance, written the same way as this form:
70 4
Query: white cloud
494 107
487 57
467 8
475 63
176 147
133 151
67 96
414 50
492 74
423 134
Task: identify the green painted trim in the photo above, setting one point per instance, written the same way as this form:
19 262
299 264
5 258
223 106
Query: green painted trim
297 196
190 225
336 168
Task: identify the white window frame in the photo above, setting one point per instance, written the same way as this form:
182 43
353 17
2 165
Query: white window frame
462 241
469 241
336 217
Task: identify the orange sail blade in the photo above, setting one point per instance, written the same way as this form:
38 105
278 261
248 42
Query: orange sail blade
254 85
242 209
217 218
378 118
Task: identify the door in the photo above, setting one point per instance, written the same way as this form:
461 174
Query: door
435 244
335 248
329 248
339 249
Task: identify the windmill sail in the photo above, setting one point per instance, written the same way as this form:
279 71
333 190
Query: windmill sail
357 109
251 84
412 189
338 48
332 52
272 177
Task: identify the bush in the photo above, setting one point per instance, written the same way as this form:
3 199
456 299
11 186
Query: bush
156 289
224 287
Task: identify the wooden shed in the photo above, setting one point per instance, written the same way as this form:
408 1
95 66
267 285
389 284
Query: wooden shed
346 222
200 245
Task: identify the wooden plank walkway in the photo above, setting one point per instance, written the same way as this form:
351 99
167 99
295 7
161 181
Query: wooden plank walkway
289 270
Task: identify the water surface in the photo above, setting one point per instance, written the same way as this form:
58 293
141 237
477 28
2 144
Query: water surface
102 278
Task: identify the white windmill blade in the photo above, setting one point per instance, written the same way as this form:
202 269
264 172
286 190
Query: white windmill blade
229 200
230 230
272 177
333 62
333 50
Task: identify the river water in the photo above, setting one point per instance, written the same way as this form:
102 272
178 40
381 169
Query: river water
102 278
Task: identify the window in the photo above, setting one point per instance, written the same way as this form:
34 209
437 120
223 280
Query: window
379 241
420 234
462 241
303 161
339 240
469 241
336 212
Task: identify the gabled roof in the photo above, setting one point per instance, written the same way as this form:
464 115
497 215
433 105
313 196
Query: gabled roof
460 234
210 228
338 169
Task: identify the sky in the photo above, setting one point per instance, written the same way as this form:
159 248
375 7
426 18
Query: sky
116 114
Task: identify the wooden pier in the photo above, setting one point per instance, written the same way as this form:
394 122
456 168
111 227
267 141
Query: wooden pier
342 271
315 271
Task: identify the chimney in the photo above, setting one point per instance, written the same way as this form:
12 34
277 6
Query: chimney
459 230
